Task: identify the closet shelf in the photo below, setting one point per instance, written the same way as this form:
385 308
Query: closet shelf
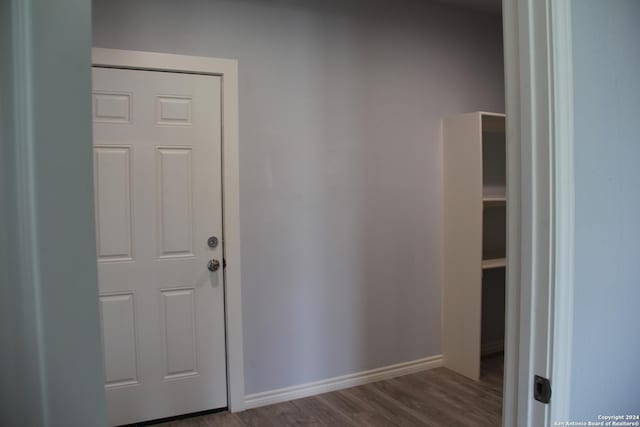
494 200
494 263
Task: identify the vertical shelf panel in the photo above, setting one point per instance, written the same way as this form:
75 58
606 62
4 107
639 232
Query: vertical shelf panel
462 244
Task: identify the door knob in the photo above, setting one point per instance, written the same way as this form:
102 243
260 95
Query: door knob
213 265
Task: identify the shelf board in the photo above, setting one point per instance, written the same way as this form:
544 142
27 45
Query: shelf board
494 200
494 263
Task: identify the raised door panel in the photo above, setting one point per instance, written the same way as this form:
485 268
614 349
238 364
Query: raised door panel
112 171
111 107
178 307
119 339
175 201
174 110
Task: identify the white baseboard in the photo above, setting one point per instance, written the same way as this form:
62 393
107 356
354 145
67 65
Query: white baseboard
492 347
338 383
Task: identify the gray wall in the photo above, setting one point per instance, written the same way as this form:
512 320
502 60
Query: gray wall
49 325
606 372
340 163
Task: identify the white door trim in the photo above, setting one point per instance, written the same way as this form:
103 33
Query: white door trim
227 69
539 104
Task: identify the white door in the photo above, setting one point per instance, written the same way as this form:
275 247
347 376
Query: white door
157 160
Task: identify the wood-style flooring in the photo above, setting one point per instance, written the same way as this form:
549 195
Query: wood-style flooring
438 397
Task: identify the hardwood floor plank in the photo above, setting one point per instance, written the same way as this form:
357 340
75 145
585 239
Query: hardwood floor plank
463 392
386 406
360 412
280 414
326 414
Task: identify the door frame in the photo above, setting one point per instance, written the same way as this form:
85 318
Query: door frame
227 70
540 216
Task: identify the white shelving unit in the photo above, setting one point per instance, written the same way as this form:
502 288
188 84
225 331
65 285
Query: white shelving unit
475 239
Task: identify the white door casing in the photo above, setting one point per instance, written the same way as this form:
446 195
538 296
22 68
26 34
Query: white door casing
157 166
227 70
539 104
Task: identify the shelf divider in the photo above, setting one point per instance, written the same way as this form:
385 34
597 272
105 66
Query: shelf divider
494 200
494 263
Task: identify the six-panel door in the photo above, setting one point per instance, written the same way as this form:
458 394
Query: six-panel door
157 162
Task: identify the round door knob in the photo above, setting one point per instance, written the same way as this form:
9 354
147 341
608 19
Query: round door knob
213 265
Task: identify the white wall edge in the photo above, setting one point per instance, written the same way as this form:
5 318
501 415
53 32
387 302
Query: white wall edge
341 382
26 210
563 188
228 70
511 400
